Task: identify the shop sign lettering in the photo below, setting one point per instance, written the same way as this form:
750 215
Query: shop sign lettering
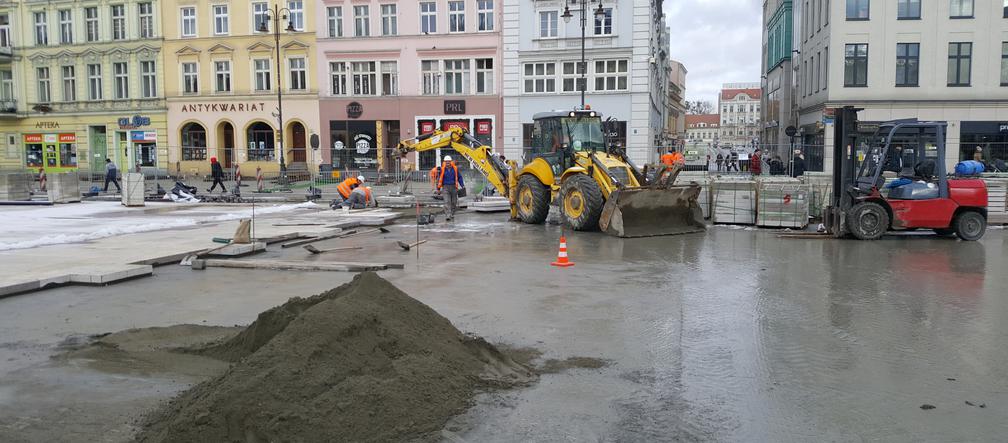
47 125
224 107
68 138
33 138
338 145
452 107
132 123
362 142
1003 127
354 110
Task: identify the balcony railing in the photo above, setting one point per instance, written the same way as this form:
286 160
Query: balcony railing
8 106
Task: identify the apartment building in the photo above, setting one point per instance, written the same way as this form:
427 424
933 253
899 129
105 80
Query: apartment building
676 104
778 105
739 105
80 82
703 129
222 76
398 69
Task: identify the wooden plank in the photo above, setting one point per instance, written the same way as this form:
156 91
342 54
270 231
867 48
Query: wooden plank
339 233
300 266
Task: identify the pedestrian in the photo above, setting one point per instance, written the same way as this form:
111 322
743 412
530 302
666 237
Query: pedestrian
719 161
798 168
754 162
217 173
776 166
978 155
111 175
451 181
733 162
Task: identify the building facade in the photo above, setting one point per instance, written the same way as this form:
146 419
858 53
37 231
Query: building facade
80 81
739 105
396 70
778 105
676 103
703 129
623 57
945 61
221 86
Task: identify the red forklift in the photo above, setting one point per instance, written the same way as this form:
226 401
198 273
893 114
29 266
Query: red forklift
922 196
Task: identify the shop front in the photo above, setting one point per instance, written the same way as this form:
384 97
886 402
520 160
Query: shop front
991 137
53 152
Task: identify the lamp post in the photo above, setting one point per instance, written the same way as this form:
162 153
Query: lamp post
276 14
599 13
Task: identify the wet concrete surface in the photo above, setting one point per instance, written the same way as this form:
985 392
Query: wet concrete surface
733 335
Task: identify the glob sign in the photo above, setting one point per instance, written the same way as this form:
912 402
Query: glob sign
136 121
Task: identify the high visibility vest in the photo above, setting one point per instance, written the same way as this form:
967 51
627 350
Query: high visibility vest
344 187
668 159
367 196
441 178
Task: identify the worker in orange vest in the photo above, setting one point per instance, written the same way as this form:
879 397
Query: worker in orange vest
345 188
451 181
435 172
673 158
360 198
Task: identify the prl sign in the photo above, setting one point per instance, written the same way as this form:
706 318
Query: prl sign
133 123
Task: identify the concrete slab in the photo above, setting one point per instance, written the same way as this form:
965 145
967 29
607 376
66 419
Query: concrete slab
238 250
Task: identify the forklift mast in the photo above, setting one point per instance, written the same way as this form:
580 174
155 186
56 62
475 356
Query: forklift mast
844 156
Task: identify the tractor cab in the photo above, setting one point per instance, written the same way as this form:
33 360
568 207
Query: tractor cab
558 135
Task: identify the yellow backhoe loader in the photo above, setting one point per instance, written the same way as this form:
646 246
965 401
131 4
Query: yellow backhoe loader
595 187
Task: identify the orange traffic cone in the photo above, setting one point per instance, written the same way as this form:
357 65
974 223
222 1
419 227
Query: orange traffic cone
562 255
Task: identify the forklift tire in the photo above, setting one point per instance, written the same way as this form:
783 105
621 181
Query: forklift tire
868 221
533 200
581 202
970 225
946 232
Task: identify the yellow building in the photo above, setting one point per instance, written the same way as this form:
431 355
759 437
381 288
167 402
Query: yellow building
82 82
221 85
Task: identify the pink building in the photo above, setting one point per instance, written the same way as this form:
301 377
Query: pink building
398 69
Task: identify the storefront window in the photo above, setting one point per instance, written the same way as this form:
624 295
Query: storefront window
260 139
194 147
68 155
986 140
146 153
354 144
33 155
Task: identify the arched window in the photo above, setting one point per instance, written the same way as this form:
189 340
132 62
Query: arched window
194 145
260 139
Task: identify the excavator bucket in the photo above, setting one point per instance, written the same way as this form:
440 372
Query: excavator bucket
652 211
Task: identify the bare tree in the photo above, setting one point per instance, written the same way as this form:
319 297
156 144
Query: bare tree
699 107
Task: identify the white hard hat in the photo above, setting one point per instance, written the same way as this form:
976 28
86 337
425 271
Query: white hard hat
447 158
360 178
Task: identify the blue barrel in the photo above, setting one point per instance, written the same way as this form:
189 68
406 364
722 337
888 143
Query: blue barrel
969 167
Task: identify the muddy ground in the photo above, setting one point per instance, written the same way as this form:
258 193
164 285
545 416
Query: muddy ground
733 335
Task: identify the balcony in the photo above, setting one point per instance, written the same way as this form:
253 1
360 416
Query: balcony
8 107
6 53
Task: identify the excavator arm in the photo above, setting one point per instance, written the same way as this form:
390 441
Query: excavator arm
489 164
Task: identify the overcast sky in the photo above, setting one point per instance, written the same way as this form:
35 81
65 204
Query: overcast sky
717 40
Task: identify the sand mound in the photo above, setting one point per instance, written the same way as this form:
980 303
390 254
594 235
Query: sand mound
363 362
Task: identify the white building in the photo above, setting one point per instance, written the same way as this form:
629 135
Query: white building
932 60
541 54
703 129
739 105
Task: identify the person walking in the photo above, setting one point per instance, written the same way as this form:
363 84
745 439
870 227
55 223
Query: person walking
451 181
217 173
733 161
798 169
755 165
719 161
111 175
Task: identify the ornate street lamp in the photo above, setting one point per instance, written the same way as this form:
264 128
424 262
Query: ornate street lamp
599 14
283 14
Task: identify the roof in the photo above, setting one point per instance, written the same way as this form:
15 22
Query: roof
561 113
712 120
730 94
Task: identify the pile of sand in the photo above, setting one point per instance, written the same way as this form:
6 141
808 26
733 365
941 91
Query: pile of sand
362 362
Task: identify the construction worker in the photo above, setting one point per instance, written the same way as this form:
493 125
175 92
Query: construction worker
435 172
451 181
673 158
345 188
360 198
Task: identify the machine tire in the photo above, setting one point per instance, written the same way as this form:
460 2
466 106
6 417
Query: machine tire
533 200
970 225
868 221
581 202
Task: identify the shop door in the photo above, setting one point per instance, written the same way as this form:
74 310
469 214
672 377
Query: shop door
50 156
299 154
227 135
99 150
122 153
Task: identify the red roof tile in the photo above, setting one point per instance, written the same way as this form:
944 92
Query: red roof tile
729 94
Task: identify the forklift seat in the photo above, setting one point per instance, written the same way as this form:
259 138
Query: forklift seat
915 191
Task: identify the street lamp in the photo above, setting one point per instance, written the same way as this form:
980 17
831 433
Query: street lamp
283 14
599 13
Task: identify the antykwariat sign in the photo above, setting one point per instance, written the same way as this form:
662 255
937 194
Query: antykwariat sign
224 107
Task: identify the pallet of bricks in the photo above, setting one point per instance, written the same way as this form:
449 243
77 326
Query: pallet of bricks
997 193
16 185
781 202
703 179
820 191
733 200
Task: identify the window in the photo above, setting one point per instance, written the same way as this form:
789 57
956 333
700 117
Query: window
431 76
572 81
389 21
296 8
298 74
456 74
548 24
222 75
484 76
960 58
148 79
189 22
194 144
91 23
456 16
260 137
808 76
484 15
190 78
540 77
908 10
818 74
907 63
69 84
428 17
363 75
960 8
94 82
362 27
390 78
259 17
1005 8
335 19
338 75
611 75
66 26
6 85
1004 63
857 9
826 14
261 66
221 25
603 24
41 29
42 75
826 66
856 65
119 22
120 76
146 14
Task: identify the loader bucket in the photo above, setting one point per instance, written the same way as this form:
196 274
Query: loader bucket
647 212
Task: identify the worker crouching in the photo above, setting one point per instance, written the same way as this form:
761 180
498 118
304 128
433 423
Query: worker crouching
450 182
346 189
